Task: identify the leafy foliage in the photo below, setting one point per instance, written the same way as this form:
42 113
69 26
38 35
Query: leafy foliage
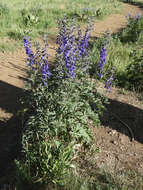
59 101
123 57
29 18
133 31
134 77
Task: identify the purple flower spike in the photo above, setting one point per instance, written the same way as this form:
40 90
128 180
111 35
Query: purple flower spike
109 83
29 52
72 49
40 59
102 61
45 70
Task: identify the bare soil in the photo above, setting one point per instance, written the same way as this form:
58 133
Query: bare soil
120 138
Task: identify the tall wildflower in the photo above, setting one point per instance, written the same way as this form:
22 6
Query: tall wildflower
39 61
102 61
103 55
46 74
83 47
109 82
84 41
29 52
45 70
72 47
66 50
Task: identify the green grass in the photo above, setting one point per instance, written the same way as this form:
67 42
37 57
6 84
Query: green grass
127 180
34 17
7 45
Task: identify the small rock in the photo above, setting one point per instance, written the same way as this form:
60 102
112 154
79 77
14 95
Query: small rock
123 139
112 132
113 142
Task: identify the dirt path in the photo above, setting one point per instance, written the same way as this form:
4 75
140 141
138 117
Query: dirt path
109 137
115 22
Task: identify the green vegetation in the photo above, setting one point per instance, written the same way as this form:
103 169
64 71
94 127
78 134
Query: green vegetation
124 55
35 17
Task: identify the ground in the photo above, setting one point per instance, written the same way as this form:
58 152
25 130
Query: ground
119 139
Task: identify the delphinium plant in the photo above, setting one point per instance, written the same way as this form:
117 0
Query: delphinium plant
132 39
60 100
133 32
101 68
102 72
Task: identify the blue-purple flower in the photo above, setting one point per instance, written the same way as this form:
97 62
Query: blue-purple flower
72 48
84 42
67 50
29 52
45 70
102 61
40 60
109 82
137 17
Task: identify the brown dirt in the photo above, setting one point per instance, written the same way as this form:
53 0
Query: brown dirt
120 136
115 22
113 138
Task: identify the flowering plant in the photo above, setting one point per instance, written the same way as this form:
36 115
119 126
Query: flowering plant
60 100
133 31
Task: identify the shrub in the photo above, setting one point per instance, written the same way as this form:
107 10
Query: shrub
29 17
133 32
59 101
134 75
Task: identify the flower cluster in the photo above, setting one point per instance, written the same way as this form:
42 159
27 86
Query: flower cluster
39 61
29 52
109 82
45 70
72 47
137 17
102 61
